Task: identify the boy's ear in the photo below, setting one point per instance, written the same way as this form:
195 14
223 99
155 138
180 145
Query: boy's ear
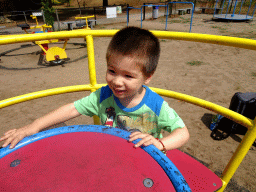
148 79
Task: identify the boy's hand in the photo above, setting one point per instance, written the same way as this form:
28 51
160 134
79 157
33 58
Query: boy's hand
146 140
14 136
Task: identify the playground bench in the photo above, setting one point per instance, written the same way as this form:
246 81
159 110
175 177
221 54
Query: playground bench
208 8
183 11
82 24
79 24
69 23
188 10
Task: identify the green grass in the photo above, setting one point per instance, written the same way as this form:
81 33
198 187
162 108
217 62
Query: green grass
220 28
179 20
253 74
195 63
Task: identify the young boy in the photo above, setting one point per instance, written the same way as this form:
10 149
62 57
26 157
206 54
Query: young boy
125 103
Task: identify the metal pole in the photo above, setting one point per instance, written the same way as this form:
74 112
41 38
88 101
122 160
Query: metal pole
241 6
141 16
253 11
57 16
249 8
222 6
234 9
166 16
144 11
25 17
215 8
43 15
94 15
127 11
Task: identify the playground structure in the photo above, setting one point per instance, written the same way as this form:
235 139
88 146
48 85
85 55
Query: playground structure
84 25
229 14
142 9
248 139
54 55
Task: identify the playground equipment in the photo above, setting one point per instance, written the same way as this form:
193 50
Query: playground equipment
18 160
85 24
232 15
167 14
53 55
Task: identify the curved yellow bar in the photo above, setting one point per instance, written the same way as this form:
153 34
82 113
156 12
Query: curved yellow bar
190 99
91 60
196 37
207 105
49 92
248 139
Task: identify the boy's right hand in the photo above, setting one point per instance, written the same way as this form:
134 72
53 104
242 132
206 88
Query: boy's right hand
16 135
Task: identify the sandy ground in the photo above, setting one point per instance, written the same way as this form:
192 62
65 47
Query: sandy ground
222 72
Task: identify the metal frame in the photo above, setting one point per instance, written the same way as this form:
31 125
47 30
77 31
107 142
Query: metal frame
249 137
233 16
167 14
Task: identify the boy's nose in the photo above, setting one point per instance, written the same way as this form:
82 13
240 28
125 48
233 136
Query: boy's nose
117 81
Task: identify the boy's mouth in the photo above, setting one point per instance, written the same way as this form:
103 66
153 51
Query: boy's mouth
119 92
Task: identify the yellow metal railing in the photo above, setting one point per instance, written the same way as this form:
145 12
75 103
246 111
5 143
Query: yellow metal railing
248 139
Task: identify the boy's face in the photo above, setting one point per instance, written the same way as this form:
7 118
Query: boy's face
125 78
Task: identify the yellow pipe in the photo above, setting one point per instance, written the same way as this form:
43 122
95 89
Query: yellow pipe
205 38
213 39
190 99
42 47
92 69
239 155
48 92
207 105
65 44
34 17
91 60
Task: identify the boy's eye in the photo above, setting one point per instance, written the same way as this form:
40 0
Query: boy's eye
128 76
111 71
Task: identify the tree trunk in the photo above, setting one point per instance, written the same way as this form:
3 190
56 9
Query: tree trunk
105 3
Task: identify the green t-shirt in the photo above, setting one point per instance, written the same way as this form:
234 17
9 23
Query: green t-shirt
150 116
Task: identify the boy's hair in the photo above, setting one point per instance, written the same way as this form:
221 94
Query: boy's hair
140 44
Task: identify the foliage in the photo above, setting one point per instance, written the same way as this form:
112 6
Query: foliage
48 11
195 63
57 2
66 1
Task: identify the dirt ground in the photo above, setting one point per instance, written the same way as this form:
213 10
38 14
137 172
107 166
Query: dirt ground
210 72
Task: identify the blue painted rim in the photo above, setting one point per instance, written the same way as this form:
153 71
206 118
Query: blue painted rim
170 169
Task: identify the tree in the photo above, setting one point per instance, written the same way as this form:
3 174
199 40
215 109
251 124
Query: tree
48 11
68 2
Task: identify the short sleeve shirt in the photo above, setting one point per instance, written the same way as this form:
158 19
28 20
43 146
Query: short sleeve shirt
151 115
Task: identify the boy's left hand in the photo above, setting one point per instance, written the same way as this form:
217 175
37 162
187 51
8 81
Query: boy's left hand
146 140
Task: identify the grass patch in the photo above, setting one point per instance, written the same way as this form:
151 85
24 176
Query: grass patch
195 63
253 74
180 20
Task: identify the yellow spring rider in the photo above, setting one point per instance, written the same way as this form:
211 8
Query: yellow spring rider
54 55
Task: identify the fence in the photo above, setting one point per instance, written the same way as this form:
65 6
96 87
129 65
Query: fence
10 20
62 16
